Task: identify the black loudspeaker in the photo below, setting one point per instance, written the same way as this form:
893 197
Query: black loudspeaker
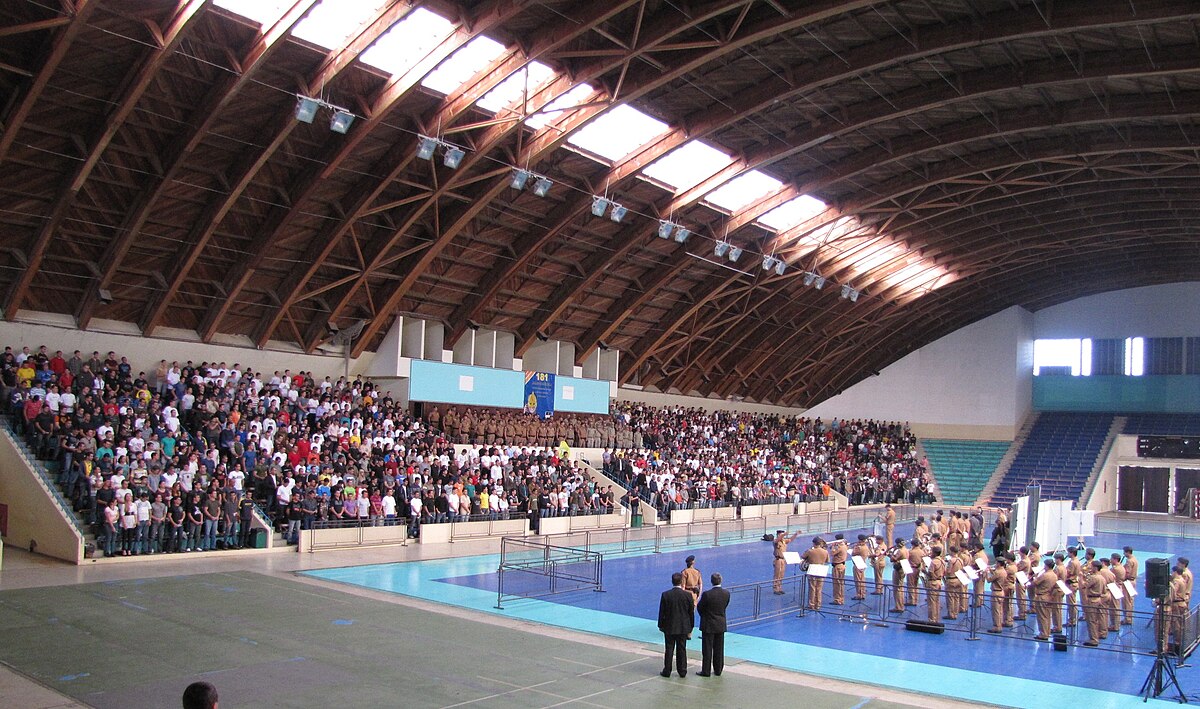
1158 578
1060 642
922 626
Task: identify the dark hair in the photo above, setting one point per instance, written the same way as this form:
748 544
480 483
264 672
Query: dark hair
677 579
200 695
716 579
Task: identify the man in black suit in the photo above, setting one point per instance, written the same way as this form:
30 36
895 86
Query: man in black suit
713 603
676 618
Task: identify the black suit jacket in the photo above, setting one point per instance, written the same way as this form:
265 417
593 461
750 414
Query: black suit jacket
675 612
713 603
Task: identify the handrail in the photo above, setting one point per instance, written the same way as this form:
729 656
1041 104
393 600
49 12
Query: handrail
43 475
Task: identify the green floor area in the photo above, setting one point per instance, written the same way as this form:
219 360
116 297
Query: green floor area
266 641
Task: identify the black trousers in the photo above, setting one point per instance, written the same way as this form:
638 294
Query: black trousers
675 645
712 646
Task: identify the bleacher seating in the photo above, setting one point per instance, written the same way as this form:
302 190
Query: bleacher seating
1059 453
962 468
1162 424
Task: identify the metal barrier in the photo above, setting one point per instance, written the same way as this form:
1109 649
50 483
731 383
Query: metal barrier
1159 526
329 535
533 569
750 602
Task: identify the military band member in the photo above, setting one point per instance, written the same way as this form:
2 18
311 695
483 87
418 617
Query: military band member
1071 568
980 555
1021 591
915 553
860 575
1131 574
954 587
889 523
933 583
1056 595
898 554
692 582
1117 569
1010 586
1179 600
837 560
780 546
879 561
1043 587
997 576
1093 596
816 554
1110 603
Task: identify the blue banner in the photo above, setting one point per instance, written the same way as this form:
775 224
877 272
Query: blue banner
539 394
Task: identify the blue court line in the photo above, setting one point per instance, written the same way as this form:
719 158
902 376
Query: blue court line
428 580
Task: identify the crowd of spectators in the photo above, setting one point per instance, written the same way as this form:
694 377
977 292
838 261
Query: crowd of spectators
688 457
176 461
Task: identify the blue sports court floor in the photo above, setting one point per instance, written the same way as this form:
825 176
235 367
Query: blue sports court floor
1005 671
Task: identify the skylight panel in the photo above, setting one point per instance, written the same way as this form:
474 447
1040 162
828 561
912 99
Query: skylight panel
686 166
551 112
792 212
617 133
743 190
264 12
331 22
463 64
408 41
512 90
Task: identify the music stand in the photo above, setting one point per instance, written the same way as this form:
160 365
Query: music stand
1153 686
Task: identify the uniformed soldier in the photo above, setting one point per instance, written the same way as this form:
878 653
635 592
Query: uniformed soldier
879 561
1189 579
889 523
860 575
450 425
1179 599
1021 592
1093 597
899 553
780 546
1072 571
1131 574
980 555
837 559
1110 603
915 553
933 583
816 554
954 587
693 583
1118 571
1056 595
997 576
1010 586
1043 599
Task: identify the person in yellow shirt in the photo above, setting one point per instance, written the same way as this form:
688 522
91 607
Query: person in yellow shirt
26 372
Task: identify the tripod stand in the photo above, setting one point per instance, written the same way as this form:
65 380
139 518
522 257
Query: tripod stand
1153 686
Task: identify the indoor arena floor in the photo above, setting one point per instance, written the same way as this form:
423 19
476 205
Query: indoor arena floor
1005 671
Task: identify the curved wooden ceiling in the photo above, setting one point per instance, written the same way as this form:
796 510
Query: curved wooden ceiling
973 154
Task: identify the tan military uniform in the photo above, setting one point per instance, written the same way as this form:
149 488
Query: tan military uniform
860 575
1131 574
915 555
998 577
1043 587
815 555
693 583
933 587
1093 597
837 559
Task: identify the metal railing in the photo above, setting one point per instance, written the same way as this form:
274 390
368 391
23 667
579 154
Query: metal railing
1158 525
39 468
533 569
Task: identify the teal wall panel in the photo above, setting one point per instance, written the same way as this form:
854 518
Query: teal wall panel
461 384
589 396
1119 394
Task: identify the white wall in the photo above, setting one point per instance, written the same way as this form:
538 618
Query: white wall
976 382
655 398
58 332
1154 311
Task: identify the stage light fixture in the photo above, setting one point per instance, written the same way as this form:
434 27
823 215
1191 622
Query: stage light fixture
519 178
768 263
819 282
721 249
809 277
845 292
665 228
426 146
780 267
541 188
853 295
453 157
340 123
306 109
599 206
735 253
618 212
681 234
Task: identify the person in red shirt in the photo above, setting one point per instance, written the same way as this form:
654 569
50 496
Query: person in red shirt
58 365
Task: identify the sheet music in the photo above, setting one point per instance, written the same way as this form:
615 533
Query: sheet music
906 567
791 557
927 561
819 570
982 565
1066 590
970 572
859 562
1022 578
962 577
1129 589
1115 590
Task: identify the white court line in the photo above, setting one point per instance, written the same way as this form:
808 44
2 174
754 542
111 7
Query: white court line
580 699
575 662
613 667
518 688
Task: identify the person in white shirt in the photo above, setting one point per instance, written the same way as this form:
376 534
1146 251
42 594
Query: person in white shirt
237 477
452 503
389 510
